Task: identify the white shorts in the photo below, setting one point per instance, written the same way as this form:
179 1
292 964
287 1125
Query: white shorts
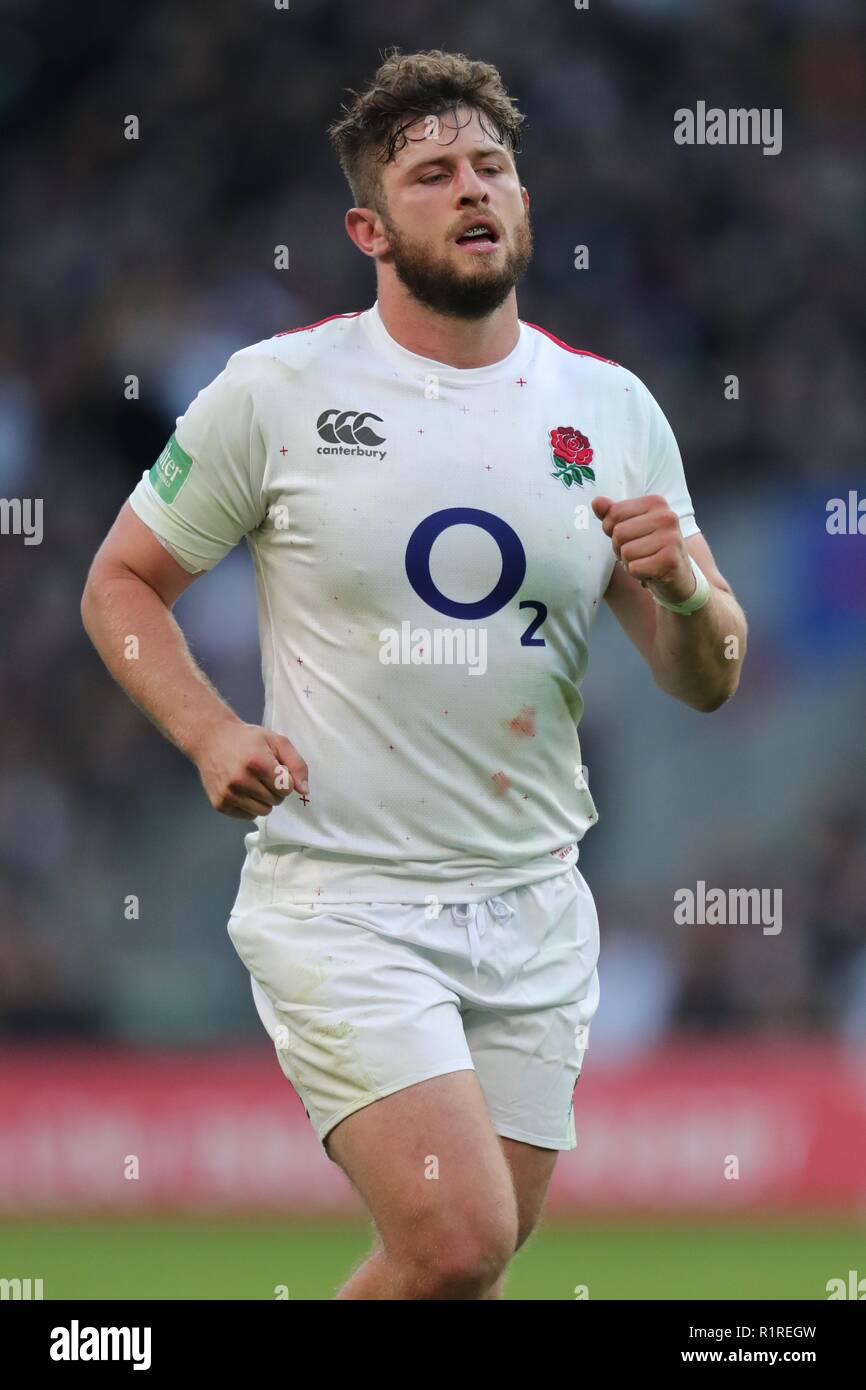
362 999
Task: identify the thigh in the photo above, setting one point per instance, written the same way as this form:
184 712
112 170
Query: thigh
531 1169
355 1016
427 1163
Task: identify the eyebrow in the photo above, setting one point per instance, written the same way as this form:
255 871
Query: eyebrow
486 151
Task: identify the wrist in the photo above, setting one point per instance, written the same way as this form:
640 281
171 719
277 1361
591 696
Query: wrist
204 729
696 600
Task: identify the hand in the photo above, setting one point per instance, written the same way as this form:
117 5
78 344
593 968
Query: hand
247 770
647 541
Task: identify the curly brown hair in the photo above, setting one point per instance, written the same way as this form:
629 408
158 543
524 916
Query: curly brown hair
406 88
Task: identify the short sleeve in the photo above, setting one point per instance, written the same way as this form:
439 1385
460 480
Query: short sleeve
205 491
665 473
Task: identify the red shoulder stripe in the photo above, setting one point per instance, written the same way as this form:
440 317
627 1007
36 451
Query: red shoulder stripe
581 352
353 315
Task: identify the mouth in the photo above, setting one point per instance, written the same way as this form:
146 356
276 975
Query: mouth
479 235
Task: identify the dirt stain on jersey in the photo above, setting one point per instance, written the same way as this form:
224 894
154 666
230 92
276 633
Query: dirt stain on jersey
523 722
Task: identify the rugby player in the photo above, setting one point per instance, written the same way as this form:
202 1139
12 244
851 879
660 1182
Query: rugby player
437 496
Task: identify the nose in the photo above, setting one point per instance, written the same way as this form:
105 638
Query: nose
470 187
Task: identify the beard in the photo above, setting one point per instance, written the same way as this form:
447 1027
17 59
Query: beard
471 294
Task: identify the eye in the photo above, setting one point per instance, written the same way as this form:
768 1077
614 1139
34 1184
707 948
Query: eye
432 178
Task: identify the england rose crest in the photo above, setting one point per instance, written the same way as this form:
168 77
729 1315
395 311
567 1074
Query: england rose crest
572 455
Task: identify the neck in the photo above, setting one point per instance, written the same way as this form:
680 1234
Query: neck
460 343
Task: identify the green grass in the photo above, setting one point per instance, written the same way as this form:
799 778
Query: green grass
242 1259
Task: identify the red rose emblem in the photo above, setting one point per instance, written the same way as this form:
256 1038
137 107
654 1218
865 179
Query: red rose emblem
572 455
570 445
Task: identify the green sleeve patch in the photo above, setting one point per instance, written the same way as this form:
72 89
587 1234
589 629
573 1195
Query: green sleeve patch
170 471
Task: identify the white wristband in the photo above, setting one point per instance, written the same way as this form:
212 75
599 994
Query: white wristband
697 599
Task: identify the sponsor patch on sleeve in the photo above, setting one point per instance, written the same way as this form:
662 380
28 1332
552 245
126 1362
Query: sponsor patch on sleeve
170 471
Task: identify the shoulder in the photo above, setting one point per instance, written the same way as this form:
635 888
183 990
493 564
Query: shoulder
556 348
582 364
603 374
291 350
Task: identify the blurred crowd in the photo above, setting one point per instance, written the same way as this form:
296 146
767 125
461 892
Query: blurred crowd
153 259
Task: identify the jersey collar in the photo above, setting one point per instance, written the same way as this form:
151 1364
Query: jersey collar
507 368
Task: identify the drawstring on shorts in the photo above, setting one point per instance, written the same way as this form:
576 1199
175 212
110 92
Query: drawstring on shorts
473 916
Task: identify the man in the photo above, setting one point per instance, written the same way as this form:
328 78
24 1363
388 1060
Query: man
436 496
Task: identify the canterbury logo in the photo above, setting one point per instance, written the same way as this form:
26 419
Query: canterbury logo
348 427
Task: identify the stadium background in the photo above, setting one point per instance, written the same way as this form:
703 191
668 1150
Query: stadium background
155 257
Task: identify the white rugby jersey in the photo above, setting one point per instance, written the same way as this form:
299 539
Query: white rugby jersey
428 569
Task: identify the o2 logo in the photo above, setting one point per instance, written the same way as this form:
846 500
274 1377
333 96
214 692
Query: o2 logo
421 543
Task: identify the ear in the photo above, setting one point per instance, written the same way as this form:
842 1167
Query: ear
362 229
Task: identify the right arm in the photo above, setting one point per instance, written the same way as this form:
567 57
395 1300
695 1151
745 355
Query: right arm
130 590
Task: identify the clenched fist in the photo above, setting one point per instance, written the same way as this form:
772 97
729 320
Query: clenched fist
247 770
647 541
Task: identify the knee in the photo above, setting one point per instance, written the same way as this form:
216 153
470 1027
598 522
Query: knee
466 1260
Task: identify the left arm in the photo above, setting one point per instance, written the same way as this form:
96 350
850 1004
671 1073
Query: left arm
695 657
